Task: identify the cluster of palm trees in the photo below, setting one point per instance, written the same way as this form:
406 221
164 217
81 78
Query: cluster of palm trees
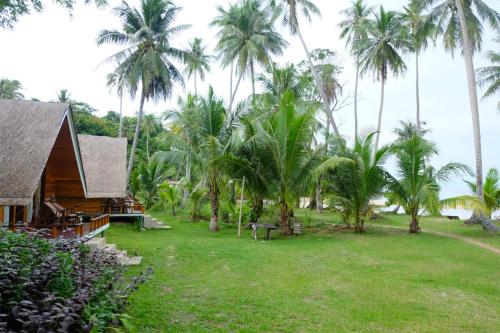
248 39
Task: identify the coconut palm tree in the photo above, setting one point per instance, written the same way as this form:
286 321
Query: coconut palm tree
277 80
11 89
490 75
283 152
354 28
146 61
150 175
289 11
382 53
421 29
491 191
183 139
214 126
116 79
354 184
197 61
461 25
248 38
416 188
63 96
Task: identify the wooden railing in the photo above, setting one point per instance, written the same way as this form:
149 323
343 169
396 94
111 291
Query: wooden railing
98 222
58 229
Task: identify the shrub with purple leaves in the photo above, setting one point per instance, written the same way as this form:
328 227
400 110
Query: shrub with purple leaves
55 285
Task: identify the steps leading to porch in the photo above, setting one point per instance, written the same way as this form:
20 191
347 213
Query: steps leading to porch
99 243
153 223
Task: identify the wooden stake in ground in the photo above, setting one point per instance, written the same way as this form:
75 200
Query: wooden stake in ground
241 206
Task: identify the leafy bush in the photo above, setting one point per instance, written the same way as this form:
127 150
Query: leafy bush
57 286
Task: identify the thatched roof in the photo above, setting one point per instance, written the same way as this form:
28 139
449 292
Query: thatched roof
104 163
28 131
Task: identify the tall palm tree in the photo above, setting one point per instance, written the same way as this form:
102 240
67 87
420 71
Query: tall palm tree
215 129
416 187
248 39
11 89
382 52
116 79
354 28
289 10
63 96
197 61
421 30
183 139
490 75
146 62
461 25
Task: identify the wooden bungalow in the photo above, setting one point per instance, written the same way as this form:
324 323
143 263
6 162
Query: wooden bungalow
44 166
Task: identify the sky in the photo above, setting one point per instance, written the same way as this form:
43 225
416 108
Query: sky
52 50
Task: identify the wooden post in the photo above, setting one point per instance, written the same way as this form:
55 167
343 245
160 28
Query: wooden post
241 206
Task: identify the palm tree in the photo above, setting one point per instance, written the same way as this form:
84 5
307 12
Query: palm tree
354 28
150 175
168 194
382 52
354 184
289 10
63 96
421 30
416 188
490 75
146 63
183 139
491 191
283 152
277 80
117 79
462 27
248 38
197 61
215 127
11 89
149 124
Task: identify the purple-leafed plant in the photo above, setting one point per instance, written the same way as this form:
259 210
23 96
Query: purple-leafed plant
57 286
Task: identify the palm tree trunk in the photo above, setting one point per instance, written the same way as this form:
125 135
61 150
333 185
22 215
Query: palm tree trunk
120 127
356 99
136 136
379 123
417 91
319 84
231 80
147 144
214 206
414 228
233 95
474 107
285 226
195 87
185 195
253 78
319 201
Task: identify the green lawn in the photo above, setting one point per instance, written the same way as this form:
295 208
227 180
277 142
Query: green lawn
327 280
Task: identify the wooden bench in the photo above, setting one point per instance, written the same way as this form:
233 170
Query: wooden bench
452 217
268 227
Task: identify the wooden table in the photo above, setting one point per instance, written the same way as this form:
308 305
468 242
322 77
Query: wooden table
269 227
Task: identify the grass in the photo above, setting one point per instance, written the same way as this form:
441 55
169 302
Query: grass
327 280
